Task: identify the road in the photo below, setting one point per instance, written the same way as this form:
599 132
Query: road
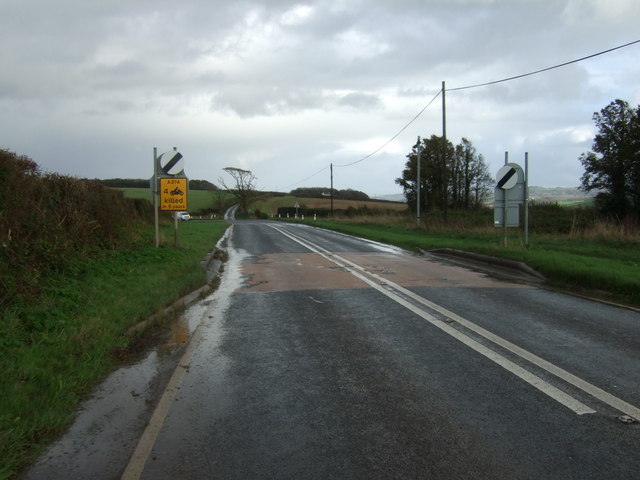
324 356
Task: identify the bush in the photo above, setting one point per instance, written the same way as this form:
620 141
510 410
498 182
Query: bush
260 215
48 221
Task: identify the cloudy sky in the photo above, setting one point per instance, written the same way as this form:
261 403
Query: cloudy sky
285 88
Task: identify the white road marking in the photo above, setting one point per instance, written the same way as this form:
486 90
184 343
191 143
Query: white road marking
144 448
147 440
583 385
390 288
136 464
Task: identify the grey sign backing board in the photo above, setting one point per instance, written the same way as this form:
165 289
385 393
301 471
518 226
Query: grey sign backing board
511 188
513 195
513 215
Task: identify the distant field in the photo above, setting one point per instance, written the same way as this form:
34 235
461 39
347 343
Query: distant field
270 205
197 199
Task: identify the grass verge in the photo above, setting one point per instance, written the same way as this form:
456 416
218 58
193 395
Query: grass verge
601 267
55 350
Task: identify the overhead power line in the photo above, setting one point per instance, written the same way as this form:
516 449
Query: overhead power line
466 88
307 178
544 69
395 136
484 85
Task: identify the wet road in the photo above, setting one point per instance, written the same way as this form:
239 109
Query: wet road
324 356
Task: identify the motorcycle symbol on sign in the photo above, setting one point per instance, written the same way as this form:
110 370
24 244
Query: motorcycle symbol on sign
176 191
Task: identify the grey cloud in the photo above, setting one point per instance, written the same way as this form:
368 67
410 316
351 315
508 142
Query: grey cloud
360 101
177 64
268 100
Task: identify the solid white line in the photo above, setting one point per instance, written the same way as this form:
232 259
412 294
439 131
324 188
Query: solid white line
535 381
136 464
559 372
589 388
532 379
147 440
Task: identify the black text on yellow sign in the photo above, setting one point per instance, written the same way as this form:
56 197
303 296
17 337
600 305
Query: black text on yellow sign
173 194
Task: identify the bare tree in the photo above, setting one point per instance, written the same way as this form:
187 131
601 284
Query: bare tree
243 187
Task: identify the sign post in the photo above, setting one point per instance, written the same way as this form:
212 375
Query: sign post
154 192
509 193
526 199
170 183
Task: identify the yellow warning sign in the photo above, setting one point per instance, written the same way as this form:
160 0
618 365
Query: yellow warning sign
173 194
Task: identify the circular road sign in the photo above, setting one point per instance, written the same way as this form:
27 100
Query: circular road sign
507 177
171 162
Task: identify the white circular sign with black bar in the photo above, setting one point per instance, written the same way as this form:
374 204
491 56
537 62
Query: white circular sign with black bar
171 162
507 177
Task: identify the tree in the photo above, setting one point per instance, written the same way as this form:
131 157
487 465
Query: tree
465 173
244 188
319 192
613 167
431 173
481 181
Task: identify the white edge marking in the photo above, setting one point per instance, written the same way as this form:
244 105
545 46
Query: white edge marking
145 445
140 455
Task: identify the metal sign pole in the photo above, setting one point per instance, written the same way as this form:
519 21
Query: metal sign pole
155 195
175 219
175 229
526 199
504 209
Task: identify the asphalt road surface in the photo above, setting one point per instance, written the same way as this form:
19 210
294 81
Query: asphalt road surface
322 356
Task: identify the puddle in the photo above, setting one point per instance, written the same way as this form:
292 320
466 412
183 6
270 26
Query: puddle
181 329
107 426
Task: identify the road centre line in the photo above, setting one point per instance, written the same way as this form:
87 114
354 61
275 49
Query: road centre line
532 379
559 372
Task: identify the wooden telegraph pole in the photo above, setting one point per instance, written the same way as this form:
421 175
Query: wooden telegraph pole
418 184
444 157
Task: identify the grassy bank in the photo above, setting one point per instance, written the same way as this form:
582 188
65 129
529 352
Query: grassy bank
54 350
604 265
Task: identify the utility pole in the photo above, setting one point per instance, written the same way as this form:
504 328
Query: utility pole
418 182
332 190
444 157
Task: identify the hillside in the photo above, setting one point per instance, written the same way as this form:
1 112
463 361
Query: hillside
559 194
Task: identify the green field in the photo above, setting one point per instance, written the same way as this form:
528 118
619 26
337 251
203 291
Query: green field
198 200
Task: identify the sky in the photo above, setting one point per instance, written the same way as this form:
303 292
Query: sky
283 88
